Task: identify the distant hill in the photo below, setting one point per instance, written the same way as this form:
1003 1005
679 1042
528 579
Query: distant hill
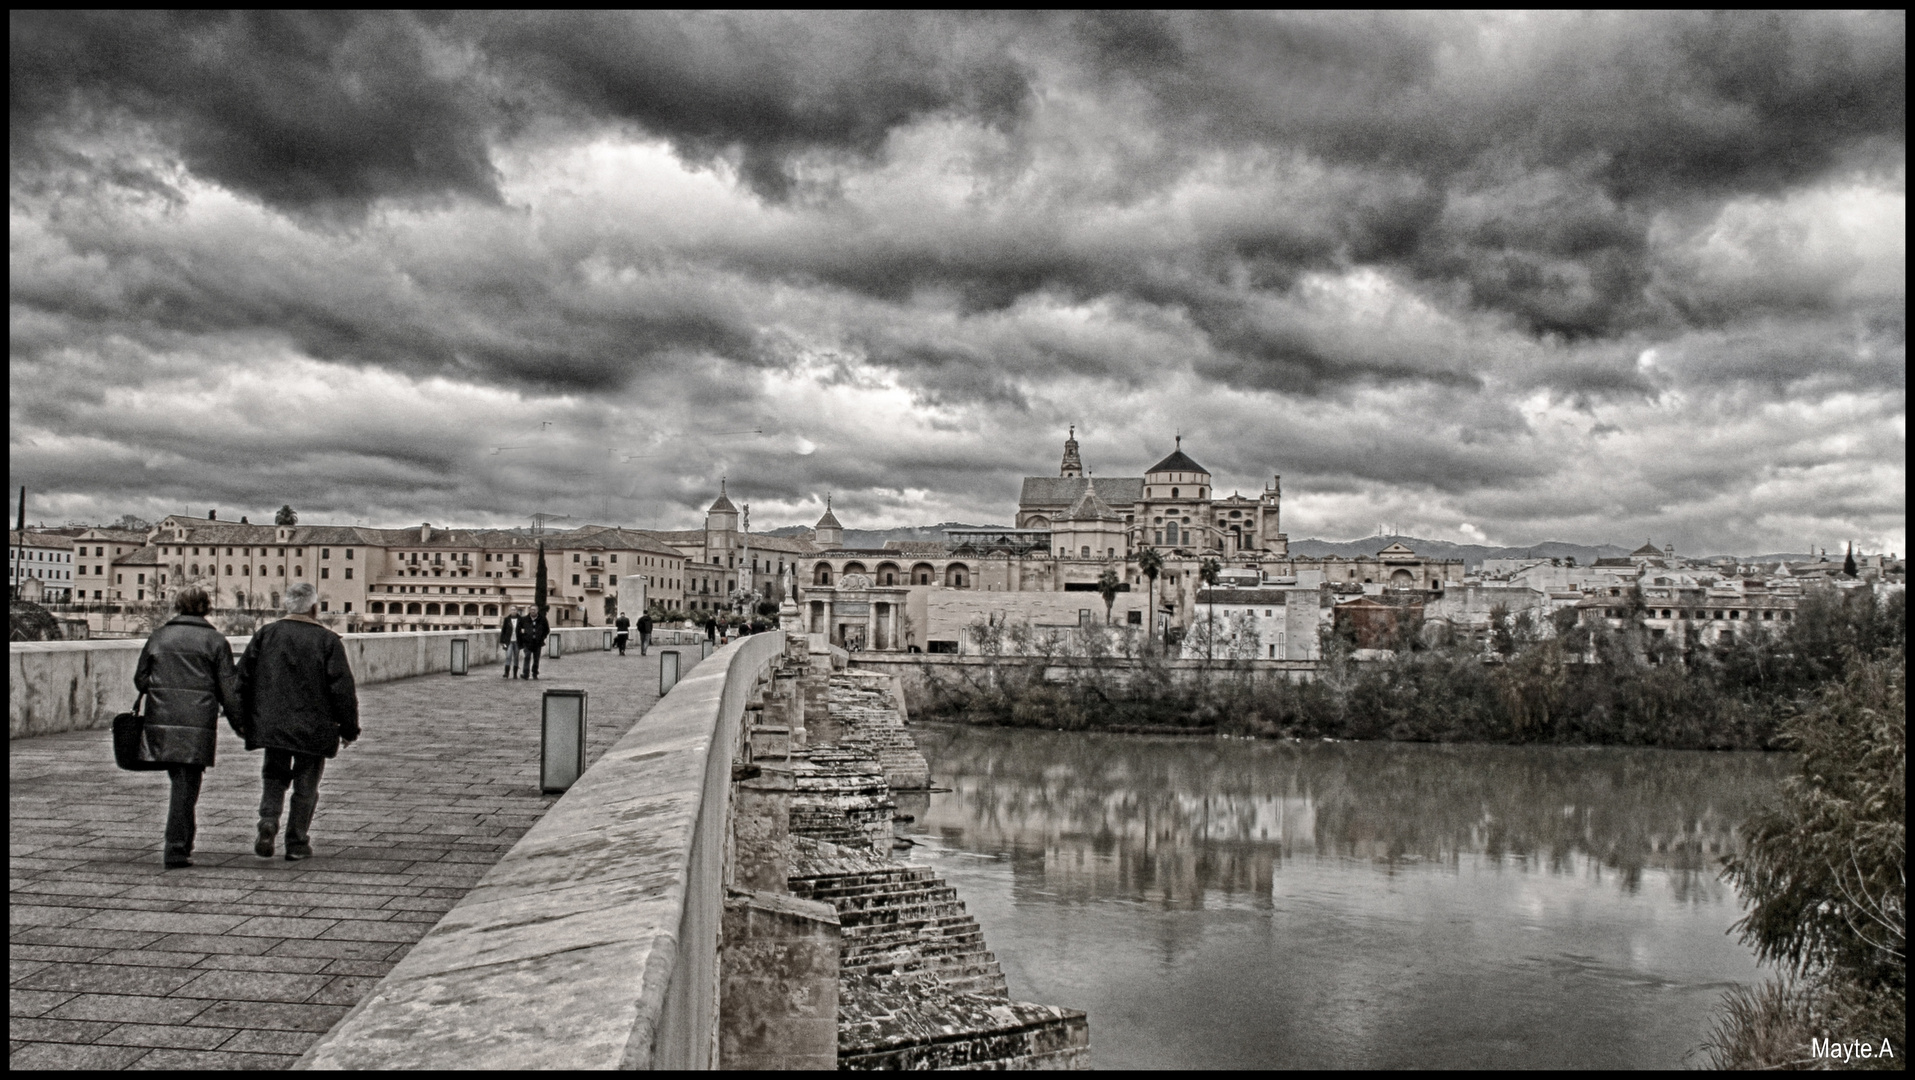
1471 554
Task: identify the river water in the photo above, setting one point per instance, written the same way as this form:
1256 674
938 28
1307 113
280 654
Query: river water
1255 904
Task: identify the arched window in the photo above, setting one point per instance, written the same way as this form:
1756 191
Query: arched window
378 607
923 574
887 573
821 574
957 576
854 568
412 609
1085 553
472 609
1170 533
491 609
432 609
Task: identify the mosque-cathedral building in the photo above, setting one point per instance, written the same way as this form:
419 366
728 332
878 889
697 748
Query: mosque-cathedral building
1070 529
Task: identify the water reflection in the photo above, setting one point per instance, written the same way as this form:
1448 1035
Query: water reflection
1350 903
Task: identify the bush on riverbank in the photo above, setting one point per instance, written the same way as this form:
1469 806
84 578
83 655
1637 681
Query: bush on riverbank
1575 686
1825 877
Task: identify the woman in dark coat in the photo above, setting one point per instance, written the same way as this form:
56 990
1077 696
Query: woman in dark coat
186 672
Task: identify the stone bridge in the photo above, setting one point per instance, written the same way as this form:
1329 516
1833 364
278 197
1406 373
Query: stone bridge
716 891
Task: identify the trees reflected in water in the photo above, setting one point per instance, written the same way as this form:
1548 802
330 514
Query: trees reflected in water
1165 819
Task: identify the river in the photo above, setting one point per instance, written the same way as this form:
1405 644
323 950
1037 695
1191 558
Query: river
1222 903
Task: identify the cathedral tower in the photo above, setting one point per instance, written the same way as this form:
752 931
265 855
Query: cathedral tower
1073 465
828 533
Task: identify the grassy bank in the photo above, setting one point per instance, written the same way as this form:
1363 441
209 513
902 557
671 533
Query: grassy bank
1563 685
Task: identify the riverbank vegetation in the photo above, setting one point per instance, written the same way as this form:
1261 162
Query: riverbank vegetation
1824 875
1561 684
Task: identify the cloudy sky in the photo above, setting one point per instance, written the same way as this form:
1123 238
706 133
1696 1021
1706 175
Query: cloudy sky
1499 278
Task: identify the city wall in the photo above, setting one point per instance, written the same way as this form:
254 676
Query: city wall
55 686
595 942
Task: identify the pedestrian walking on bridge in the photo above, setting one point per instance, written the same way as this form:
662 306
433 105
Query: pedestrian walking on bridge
299 705
533 630
186 672
509 641
645 634
624 626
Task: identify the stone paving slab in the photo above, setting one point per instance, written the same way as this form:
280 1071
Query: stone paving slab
240 962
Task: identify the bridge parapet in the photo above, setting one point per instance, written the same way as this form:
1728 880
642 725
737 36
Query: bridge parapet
55 686
595 942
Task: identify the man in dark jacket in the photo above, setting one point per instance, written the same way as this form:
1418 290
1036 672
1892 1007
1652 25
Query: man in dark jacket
645 634
296 693
533 630
509 641
186 673
623 626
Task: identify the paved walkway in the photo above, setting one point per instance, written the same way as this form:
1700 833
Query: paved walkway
242 962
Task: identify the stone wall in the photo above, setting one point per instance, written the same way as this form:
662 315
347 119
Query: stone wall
913 670
594 943
55 686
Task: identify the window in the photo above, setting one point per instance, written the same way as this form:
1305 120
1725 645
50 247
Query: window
299 571
348 573
575 556
322 605
325 572
1134 618
348 607
575 576
348 553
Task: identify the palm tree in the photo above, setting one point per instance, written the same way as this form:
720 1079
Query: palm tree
1107 586
1151 563
1208 571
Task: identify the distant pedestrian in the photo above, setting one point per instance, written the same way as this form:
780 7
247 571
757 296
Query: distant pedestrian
186 672
645 634
299 705
711 630
624 626
509 641
533 630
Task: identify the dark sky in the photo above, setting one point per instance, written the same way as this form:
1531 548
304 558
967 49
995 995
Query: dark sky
1494 277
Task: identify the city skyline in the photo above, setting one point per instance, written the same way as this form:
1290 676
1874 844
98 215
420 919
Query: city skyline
1497 279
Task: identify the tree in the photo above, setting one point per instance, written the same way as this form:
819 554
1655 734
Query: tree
286 516
1208 571
1107 586
1848 562
1151 563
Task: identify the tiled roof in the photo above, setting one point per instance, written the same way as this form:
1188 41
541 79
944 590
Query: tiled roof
1063 491
1178 461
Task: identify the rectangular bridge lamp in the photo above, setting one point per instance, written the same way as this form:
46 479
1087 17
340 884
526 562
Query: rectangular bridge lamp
608 641
667 671
561 739
554 650
460 648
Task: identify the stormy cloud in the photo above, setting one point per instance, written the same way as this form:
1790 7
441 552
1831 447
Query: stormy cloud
1553 276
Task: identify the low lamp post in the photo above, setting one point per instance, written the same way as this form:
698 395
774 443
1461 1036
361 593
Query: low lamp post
561 739
554 647
667 671
461 655
608 641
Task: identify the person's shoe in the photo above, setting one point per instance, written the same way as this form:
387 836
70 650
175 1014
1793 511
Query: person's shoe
263 843
177 862
296 852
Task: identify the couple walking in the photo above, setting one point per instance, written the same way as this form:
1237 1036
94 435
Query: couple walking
291 695
624 628
522 638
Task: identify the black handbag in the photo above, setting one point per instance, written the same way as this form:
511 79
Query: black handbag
129 736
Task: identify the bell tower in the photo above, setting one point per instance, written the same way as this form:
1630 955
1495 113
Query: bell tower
1073 465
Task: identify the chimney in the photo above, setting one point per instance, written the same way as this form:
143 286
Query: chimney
425 532
242 519
212 515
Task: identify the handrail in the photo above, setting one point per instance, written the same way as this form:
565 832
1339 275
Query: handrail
593 943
